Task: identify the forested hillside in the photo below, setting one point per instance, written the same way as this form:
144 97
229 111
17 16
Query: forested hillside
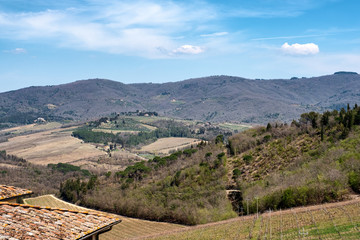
310 161
215 99
186 187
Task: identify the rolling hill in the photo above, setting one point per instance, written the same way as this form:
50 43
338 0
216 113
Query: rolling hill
215 98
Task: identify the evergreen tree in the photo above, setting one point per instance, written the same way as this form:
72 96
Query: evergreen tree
357 117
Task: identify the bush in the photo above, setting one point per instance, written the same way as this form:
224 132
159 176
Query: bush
236 173
266 138
65 168
297 196
189 152
247 159
219 139
354 181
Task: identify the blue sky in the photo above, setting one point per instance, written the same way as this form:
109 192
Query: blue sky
48 42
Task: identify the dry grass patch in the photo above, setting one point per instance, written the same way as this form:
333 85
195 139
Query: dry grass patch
114 131
32 128
52 146
167 145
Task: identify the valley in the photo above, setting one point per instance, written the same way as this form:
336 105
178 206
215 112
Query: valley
174 173
170 119
53 142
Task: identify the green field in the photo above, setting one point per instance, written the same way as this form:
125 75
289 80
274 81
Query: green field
234 126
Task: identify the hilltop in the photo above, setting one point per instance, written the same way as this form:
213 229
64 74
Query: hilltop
215 99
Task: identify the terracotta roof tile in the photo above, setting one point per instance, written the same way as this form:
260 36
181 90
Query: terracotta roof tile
21 221
11 192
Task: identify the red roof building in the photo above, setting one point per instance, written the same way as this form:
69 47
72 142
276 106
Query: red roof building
21 221
13 194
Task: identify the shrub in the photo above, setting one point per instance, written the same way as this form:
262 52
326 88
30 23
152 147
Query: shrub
354 181
236 173
266 138
65 168
247 159
219 139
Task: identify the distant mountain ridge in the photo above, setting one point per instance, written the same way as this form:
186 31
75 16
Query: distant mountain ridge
214 98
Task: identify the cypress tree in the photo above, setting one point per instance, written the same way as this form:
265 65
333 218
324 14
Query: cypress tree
268 127
322 133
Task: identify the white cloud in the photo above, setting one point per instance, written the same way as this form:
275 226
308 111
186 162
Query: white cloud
16 51
189 49
300 49
136 27
217 34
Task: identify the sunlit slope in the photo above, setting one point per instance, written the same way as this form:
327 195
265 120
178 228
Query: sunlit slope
329 221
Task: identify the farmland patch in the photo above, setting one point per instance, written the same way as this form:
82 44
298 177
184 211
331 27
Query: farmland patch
166 145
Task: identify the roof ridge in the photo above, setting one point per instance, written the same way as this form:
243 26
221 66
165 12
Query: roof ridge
96 213
13 191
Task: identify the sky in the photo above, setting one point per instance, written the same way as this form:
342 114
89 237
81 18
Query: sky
50 42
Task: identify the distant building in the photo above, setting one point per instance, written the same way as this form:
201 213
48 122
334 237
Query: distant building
13 194
40 120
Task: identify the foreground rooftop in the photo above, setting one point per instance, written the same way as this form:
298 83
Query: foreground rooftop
22 221
9 192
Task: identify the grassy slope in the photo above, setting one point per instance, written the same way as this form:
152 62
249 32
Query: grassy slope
329 221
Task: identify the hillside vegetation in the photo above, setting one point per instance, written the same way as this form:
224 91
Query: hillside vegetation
310 161
186 187
313 160
215 99
40 179
119 131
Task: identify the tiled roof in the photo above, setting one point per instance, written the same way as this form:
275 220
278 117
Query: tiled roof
11 192
21 221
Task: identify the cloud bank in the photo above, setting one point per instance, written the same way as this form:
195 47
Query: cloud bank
300 49
139 28
216 34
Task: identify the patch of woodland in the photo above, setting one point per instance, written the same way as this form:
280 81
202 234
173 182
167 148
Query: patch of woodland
311 161
185 187
143 136
40 179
